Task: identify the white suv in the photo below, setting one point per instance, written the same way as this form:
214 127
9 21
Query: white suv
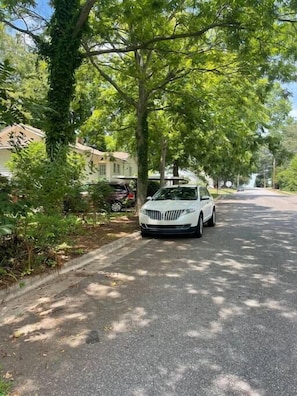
178 209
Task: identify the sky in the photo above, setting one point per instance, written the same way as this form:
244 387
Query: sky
43 8
292 88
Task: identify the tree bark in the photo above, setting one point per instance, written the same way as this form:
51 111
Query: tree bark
163 161
175 172
66 30
142 155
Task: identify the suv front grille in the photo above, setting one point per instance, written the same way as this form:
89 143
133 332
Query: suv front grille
169 215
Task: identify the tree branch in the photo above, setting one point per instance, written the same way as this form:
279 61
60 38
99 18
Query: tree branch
111 81
25 31
147 44
85 11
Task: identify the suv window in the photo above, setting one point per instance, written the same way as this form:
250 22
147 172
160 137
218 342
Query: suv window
119 187
204 192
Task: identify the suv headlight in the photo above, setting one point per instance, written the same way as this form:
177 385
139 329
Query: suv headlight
187 211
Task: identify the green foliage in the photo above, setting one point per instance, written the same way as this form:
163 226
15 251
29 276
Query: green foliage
89 198
75 201
12 207
99 194
45 183
289 137
11 109
46 231
287 178
35 243
28 83
209 66
4 388
64 58
210 77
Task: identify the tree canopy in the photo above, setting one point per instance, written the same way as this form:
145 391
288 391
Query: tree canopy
183 82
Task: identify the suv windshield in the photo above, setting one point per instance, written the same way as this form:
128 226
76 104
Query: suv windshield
176 193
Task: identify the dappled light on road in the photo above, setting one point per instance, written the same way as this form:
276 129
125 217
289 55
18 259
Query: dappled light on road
130 321
231 384
101 291
216 314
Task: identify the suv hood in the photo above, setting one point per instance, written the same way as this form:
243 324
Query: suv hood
169 204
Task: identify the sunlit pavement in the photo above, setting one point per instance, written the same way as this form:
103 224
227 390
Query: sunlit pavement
169 316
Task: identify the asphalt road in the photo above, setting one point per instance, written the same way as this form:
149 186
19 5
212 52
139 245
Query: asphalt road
214 316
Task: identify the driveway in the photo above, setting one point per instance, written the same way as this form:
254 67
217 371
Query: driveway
171 316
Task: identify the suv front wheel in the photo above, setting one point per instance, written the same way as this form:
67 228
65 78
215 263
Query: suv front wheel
116 206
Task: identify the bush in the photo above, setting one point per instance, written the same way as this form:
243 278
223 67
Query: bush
45 183
31 216
12 207
47 230
88 198
287 178
99 195
35 242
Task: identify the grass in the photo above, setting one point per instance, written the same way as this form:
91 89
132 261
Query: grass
221 191
285 192
4 387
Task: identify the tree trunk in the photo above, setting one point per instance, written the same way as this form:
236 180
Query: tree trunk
163 161
175 172
64 59
142 155
142 133
142 144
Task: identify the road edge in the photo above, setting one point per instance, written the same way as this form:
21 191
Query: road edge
27 284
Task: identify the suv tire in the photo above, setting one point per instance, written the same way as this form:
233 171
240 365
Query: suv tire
116 206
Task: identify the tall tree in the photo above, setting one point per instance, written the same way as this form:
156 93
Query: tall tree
154 43
169 42
61 47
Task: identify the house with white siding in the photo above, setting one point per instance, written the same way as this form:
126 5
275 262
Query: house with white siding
99 165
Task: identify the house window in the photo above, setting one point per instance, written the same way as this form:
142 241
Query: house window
102 170
118 169
130 170
114 168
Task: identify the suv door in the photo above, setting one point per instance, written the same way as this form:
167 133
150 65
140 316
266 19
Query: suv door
206 203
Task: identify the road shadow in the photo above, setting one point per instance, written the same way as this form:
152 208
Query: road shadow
216 315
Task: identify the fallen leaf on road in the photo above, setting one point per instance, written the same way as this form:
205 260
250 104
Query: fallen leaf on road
17 334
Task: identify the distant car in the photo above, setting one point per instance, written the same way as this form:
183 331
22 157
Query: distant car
122 196
178 209
240 188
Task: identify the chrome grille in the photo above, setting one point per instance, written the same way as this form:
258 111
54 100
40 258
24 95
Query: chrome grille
154 214
172 214
169 215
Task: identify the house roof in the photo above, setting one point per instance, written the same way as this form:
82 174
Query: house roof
17 130
121 155
35 134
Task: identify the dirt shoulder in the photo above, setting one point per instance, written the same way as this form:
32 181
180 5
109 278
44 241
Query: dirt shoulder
90 238
96 236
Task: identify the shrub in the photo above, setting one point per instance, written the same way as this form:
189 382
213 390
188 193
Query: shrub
88 198
12 207
35 242
287 178
45 183
99 194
